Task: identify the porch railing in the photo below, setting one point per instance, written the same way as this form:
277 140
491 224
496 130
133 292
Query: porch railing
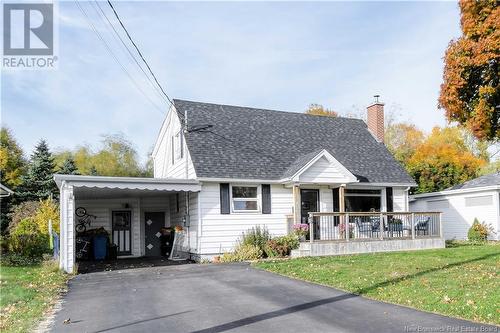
374 226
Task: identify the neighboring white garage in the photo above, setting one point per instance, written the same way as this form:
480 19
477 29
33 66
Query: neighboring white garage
461 204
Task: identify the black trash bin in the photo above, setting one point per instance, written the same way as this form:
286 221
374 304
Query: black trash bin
112 252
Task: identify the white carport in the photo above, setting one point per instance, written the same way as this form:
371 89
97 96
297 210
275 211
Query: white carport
176 198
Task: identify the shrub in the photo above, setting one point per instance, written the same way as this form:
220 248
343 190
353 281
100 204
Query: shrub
242 252
479 232
27 240
256 236
47 210
282 246
24 210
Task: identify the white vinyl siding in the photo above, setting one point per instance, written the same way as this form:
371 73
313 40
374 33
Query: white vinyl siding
485 200
177 218
322 171
399 199
171 159
438 204
460 209
220 232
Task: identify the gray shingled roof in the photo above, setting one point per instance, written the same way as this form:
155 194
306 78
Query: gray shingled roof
249 143
487 180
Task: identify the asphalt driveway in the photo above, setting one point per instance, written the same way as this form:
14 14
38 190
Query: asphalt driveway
226 298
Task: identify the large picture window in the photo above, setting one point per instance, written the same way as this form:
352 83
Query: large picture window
245 198
357 200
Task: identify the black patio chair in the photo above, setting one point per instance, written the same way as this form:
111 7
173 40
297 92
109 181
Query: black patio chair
422 226
363 226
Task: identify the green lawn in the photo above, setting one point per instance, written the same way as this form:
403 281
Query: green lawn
27 293
460 281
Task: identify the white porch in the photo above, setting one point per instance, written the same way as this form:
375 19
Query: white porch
105 199
334 233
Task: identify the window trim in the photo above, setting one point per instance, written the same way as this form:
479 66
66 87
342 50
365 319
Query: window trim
365 195
257 199
178 146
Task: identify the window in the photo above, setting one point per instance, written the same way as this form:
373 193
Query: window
358 200
177 147
245 198
484 200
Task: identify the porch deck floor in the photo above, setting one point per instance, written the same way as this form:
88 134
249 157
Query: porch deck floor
126 263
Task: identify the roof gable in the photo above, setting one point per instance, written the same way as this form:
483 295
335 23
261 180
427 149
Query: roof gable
323 168
233 142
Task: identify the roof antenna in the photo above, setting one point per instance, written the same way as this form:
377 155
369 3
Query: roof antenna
376 98
186 121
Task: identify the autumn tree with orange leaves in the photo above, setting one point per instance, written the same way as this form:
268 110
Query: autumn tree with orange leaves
320 110
442 160
470 93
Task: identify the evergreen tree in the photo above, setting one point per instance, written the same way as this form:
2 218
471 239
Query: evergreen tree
38 183
93 171
68 167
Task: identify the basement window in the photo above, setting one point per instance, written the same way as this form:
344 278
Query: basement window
245 198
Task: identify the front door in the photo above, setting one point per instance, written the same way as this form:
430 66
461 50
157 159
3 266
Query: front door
154 222
309 203
122 235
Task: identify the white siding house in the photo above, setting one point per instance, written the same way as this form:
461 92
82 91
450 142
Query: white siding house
220 170
460 205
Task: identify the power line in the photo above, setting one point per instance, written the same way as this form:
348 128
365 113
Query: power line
89 21
139 52
155 87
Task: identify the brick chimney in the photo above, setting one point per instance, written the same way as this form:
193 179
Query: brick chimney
375 119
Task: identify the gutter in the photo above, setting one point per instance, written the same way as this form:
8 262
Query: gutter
458 191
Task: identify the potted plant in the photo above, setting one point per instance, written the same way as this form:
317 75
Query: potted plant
342 230
301 230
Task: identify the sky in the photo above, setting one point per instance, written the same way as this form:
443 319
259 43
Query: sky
275 55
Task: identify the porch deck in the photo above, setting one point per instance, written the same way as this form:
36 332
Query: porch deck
338 233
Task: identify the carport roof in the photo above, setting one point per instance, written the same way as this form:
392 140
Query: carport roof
129 183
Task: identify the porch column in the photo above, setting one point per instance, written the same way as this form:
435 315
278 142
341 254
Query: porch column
342 203
296 204
342 198
67 229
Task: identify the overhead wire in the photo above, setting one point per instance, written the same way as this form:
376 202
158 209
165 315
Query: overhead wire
102 13
110 51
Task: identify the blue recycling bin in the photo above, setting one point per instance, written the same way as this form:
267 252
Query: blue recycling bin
100 245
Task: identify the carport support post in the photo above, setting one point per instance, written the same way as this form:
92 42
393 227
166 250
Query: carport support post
67 228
